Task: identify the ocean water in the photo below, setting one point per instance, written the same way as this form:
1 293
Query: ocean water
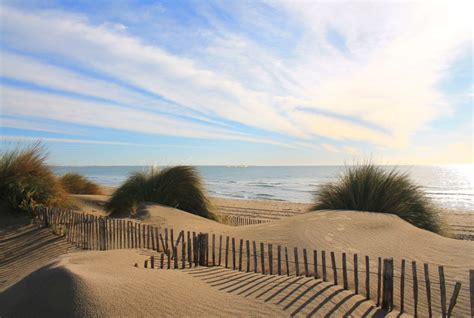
449 186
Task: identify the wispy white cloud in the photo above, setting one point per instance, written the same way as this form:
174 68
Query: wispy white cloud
381 79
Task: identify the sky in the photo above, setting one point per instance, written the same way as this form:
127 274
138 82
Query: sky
238 82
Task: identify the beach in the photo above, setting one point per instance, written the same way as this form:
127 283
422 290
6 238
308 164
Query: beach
109 283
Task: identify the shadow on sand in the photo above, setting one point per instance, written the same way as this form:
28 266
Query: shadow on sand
298 296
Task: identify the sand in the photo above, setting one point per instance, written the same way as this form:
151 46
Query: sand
107 282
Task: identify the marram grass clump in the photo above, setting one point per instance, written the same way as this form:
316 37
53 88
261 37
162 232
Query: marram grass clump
75 183
178 187
26 181
366 187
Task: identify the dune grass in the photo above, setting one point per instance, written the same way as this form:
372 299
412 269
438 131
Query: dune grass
26 181
366 187
75 183
178 187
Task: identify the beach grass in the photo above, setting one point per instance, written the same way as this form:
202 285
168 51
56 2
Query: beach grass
26 181
75 183
178 187
366 187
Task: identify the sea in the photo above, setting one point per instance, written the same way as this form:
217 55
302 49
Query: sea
451 187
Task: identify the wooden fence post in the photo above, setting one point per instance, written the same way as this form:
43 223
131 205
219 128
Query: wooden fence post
305 262
262 257
402 287
213 249
442 290
428 289
471 290
233 253
241 247
415 289
315 261
387 298
220 249
254 247
334 268
367 277
279 259
323 260
356 274
454 298
287 263
379 280
297 265
183 254
247 245
270 258
227 252
344 271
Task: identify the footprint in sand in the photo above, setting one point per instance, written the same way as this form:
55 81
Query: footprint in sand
341 228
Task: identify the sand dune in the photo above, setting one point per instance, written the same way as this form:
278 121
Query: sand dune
107 282
364 233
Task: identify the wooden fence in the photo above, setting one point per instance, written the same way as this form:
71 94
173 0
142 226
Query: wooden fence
402 285
236 220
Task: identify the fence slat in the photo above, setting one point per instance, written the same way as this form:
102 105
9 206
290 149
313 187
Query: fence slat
387 295
247 245
279 259
402 287
270 258
323 262
356 274
254 246
454 298
415 289
213 249
286 260
471 290
442 290
227 252
334 267
315 262
241 245
344 271
367 277
233 253
305 262
220 249
379 279
297 264
262 257
428 289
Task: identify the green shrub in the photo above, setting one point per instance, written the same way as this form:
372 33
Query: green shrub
77 184
26 181
366 187
178 187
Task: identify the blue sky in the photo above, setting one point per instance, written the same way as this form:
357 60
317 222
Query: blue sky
238 82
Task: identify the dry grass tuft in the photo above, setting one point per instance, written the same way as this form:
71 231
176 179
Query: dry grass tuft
26 181
178 187
75 183
366 187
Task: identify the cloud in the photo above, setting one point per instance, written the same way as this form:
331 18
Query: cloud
16 138
381 87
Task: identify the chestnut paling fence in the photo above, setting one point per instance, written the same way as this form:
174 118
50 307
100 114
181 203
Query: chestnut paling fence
236 220
420 289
